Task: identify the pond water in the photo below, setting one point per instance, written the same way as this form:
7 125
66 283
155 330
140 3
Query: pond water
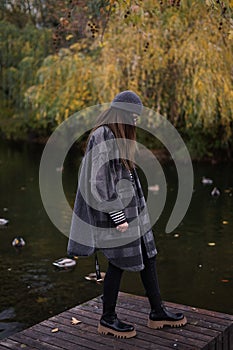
190 270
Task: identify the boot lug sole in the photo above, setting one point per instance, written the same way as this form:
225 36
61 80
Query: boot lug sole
161 324
104 330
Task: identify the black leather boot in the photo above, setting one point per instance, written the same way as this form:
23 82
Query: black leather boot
110 324
162 317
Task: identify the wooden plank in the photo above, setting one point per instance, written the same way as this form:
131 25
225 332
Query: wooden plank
127 319
53 339
205 330
3 347
171 335
88 325
92 319
191 310
90 332
211 321
141 316
230 339
76 313
208 319
35 343
61 339
225 328
11 344
89 319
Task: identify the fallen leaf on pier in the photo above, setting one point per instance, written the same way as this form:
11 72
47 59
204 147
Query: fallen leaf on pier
75 321
54 330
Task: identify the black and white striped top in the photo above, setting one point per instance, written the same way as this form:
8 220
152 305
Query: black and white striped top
118 216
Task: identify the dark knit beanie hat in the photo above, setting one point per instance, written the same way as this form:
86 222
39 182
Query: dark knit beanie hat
128 101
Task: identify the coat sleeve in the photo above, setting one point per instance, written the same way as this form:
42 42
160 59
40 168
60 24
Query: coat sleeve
118 217
105 165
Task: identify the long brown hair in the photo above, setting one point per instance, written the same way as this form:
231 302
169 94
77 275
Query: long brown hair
122 125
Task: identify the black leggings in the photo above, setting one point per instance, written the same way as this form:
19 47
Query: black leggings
149 279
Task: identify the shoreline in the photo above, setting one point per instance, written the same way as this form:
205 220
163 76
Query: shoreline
162 155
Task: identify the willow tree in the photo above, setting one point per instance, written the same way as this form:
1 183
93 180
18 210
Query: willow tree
64 86
178 57
176 54
22 51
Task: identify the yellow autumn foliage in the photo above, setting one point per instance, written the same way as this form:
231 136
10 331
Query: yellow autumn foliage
177 55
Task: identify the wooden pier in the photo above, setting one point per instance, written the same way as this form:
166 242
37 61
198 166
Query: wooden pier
207 330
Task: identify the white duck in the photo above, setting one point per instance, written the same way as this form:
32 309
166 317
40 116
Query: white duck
3 222
64 263
206 180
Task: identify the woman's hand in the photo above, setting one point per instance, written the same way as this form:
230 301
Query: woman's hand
122 227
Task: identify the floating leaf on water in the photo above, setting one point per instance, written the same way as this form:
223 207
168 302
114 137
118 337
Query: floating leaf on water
54 330
211 244
224 280
75 321
41 300
225 222
176 235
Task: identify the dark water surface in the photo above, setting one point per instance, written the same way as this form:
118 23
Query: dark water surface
190 271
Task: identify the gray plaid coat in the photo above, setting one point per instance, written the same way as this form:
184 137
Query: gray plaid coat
105 185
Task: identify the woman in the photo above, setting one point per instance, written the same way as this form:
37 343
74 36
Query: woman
110 214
